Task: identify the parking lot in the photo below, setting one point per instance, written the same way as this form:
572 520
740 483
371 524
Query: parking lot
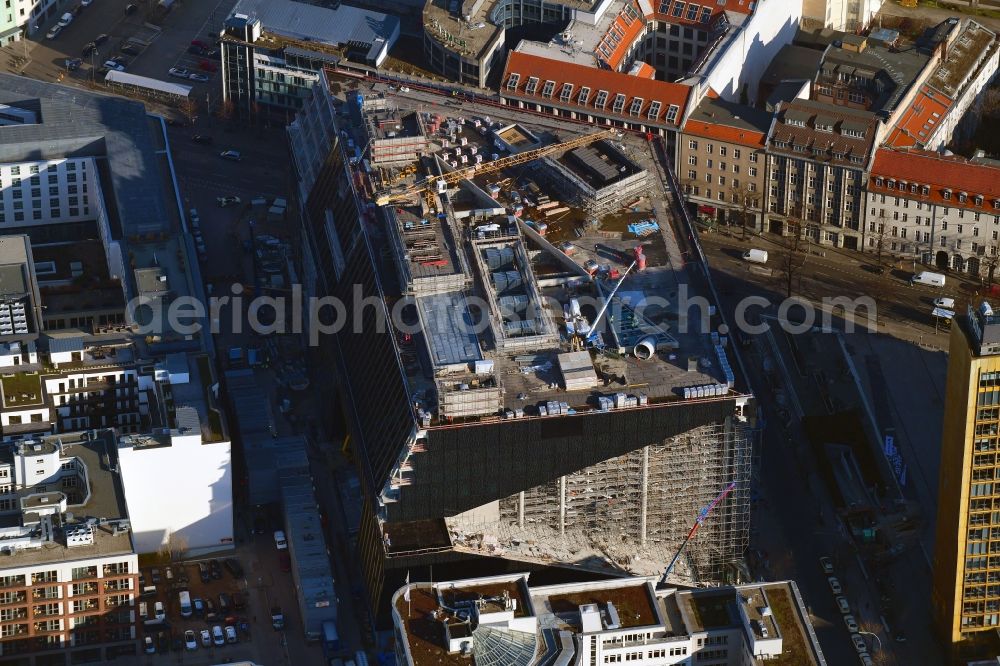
218 600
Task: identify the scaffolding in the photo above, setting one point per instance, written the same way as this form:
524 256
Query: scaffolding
635 510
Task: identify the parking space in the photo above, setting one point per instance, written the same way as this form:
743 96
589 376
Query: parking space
196 611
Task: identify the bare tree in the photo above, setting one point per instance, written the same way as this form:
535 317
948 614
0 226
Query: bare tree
991 262
189 107
744 198
878 236
792 256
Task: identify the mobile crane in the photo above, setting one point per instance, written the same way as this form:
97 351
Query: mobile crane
441 183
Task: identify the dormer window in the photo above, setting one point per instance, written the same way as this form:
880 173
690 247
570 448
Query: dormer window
892 183
902 186
548 88
962 197
531 86
823 127
996 204
878 181
925 190
512 82
947 195
913 188
978 199
795 121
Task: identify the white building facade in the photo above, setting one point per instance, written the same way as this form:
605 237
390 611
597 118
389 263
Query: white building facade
179 488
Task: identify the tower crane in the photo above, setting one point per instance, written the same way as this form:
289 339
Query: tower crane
441 183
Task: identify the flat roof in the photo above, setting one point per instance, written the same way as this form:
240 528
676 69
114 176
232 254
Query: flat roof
97 450
449 328
600 164
315 23
113 130
167 87
965 54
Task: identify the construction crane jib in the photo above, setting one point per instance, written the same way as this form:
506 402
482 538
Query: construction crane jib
442 182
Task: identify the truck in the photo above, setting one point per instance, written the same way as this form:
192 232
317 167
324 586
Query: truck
277 618
185 602
331 639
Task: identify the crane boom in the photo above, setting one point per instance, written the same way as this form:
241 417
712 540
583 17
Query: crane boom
702 515
390 195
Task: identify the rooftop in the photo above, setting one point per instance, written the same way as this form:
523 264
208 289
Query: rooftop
531 67
600 164
824 132
883 72
965 55
305 22
102 508
113 130
715 118
469 621
949 180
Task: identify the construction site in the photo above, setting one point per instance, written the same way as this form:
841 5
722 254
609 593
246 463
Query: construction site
567 410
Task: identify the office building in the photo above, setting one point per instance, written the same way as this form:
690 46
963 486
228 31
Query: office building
273 50
503 620
69 573
846 15
476 448
721 160
940 210
965 602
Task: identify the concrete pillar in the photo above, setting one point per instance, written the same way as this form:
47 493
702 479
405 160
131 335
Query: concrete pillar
520 509
562 505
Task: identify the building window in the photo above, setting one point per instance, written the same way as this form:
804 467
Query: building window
548 88
654 110
693 160
566 92
513 80
635 106
532 85
601 100
672 112
693 145
584 95
619 103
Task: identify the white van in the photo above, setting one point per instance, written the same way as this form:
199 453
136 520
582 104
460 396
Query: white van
66 19
945 303
755 256
928 278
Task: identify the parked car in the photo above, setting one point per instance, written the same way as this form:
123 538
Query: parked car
233 155
149 646
231 634
204 573
228 201
851 624
112 65
155 576
190 641
163 641
835 585
217 636
859 643
179 72
121 60
225 603
100 39
88 48
54 32
206 638
233 565
168 573
131 8
197 76
404 89
73 64
215 569
210 613
203 139
129 48
842 604
279 540
826 564
199 605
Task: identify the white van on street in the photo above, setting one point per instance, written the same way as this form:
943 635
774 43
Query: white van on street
755 256
928 278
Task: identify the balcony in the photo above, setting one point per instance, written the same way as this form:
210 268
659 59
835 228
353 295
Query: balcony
86 606
13 614
83 589
15 598
45 593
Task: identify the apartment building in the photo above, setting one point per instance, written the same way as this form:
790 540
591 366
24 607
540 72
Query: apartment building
846 15
503 620
722 161
818 156
69 571
934 209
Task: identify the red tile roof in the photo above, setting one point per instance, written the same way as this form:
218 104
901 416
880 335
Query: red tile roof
739 136
939 175
643 70
618 40
526 66
665 10
917 123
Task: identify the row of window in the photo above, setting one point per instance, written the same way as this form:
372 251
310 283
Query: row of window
600 101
